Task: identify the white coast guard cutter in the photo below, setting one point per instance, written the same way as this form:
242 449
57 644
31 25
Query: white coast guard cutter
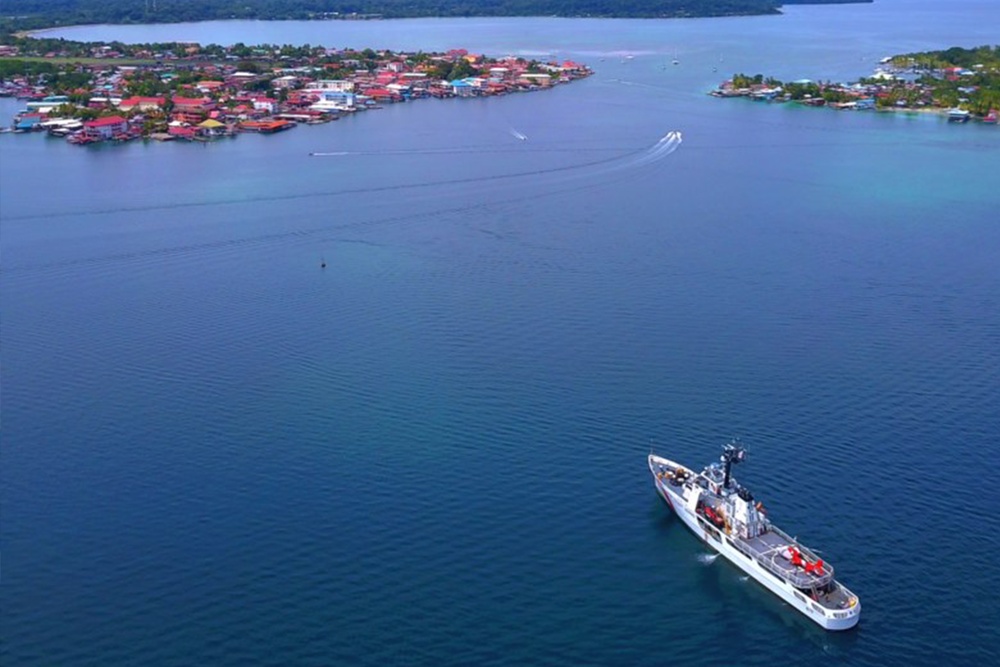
723 514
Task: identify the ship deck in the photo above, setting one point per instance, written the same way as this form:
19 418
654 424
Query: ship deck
767 549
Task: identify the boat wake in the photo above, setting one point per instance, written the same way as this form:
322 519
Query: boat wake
625 82
666 145
707 559
566 175
518 135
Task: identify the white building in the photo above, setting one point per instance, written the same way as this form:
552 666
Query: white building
330 85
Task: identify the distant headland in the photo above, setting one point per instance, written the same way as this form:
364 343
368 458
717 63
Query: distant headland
95 92
960 83
37 14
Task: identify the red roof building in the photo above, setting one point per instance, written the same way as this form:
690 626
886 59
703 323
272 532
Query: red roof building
108 127
383 95
193 104
182 131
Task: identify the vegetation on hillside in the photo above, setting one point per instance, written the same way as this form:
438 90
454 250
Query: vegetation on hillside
957 77
32 14
956 56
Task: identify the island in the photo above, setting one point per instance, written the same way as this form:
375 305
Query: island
958 83
95 92
34 14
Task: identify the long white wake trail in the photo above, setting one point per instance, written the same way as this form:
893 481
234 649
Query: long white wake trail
667 144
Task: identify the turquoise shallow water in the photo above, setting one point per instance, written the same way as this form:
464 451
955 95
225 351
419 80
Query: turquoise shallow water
433 451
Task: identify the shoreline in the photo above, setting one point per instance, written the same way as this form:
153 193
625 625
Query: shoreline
924 111
945 113
959 84
27 22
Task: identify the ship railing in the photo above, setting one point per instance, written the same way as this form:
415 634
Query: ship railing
804 550
768 559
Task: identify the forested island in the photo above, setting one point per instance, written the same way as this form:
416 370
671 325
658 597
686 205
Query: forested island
963 83
36 14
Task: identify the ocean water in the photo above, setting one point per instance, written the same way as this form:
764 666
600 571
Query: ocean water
433 451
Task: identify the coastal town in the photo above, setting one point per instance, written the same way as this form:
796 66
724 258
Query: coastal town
958 84
97 93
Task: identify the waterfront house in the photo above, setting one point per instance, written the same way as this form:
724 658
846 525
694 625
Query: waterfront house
574 68
760 92
212 128
958 115
102 129
382 95
400 89
462 88
29 121
266 126
535 79
180 131
334 100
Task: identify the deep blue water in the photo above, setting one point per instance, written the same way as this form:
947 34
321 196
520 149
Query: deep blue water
433 451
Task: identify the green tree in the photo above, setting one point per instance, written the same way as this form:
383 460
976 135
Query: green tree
461 69
248 66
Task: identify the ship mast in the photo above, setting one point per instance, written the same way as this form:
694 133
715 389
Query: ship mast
732 453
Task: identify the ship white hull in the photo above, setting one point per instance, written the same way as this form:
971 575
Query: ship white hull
829 619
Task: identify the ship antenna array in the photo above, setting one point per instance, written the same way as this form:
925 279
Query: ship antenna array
734 452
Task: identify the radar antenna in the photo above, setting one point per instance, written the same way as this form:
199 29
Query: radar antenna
734 452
